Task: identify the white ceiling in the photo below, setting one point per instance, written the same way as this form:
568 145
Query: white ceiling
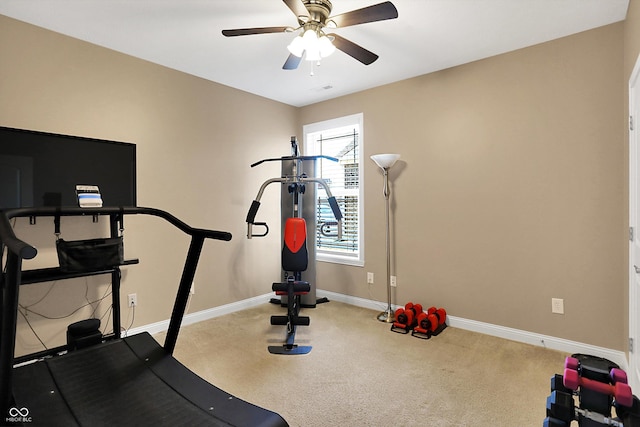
427 36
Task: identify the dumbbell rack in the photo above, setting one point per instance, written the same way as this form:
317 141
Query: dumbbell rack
599 385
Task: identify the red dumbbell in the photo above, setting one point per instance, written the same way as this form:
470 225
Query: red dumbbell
430 323
440 313
620 390
426 323
406 317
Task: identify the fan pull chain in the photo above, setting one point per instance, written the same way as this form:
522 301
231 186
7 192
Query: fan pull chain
311 73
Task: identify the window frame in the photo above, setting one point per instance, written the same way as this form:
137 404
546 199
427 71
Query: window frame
314 128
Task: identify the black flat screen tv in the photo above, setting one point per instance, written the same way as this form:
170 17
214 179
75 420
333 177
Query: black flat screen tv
42 169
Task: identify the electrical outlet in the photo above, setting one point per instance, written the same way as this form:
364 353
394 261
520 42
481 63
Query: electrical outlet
192 291
132 300
557 305
370 278
394 281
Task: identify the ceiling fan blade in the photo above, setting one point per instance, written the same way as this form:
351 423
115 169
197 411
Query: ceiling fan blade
298 8
249 31
376 12
292 62
355 51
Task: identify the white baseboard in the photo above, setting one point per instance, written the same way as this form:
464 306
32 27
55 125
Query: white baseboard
547 341
200 316
554 343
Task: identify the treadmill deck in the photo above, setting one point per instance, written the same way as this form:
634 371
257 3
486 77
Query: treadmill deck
127 382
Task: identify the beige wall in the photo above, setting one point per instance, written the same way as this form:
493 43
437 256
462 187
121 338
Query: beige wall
509 191
195 141
631 38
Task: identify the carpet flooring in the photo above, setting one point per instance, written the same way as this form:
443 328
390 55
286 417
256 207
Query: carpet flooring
359 373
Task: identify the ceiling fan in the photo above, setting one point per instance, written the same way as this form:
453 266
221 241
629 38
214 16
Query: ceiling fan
313 19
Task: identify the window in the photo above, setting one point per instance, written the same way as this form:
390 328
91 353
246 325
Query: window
340 138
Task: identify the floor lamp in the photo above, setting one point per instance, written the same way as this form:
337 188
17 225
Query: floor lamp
385 162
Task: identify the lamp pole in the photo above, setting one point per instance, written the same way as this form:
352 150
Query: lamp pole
385 162
387 315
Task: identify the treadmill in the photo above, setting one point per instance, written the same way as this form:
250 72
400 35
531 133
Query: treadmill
123 381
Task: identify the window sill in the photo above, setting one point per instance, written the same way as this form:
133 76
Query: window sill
337 259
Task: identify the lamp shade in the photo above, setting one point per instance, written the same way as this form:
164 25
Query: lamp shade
296 47
385 161
325 46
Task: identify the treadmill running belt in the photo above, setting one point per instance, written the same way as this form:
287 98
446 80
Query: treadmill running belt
108 385
128 382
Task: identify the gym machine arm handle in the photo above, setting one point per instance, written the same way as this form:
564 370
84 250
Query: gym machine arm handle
326 226
255 205
253 210
251 216
334 207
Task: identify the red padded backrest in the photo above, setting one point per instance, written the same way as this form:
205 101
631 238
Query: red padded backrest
295 233
294 252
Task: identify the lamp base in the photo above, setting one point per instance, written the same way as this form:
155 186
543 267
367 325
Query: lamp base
386 316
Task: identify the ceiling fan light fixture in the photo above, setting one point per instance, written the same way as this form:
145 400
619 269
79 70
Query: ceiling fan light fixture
314 17
314 43
310 37
325 46
297 46
311 45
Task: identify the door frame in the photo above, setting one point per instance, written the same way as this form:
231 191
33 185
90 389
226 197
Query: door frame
634 227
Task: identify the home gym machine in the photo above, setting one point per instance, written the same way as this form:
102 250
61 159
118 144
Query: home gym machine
298 286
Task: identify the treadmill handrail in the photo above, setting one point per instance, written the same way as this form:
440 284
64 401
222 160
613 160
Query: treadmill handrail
17 246
18 250
13 244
